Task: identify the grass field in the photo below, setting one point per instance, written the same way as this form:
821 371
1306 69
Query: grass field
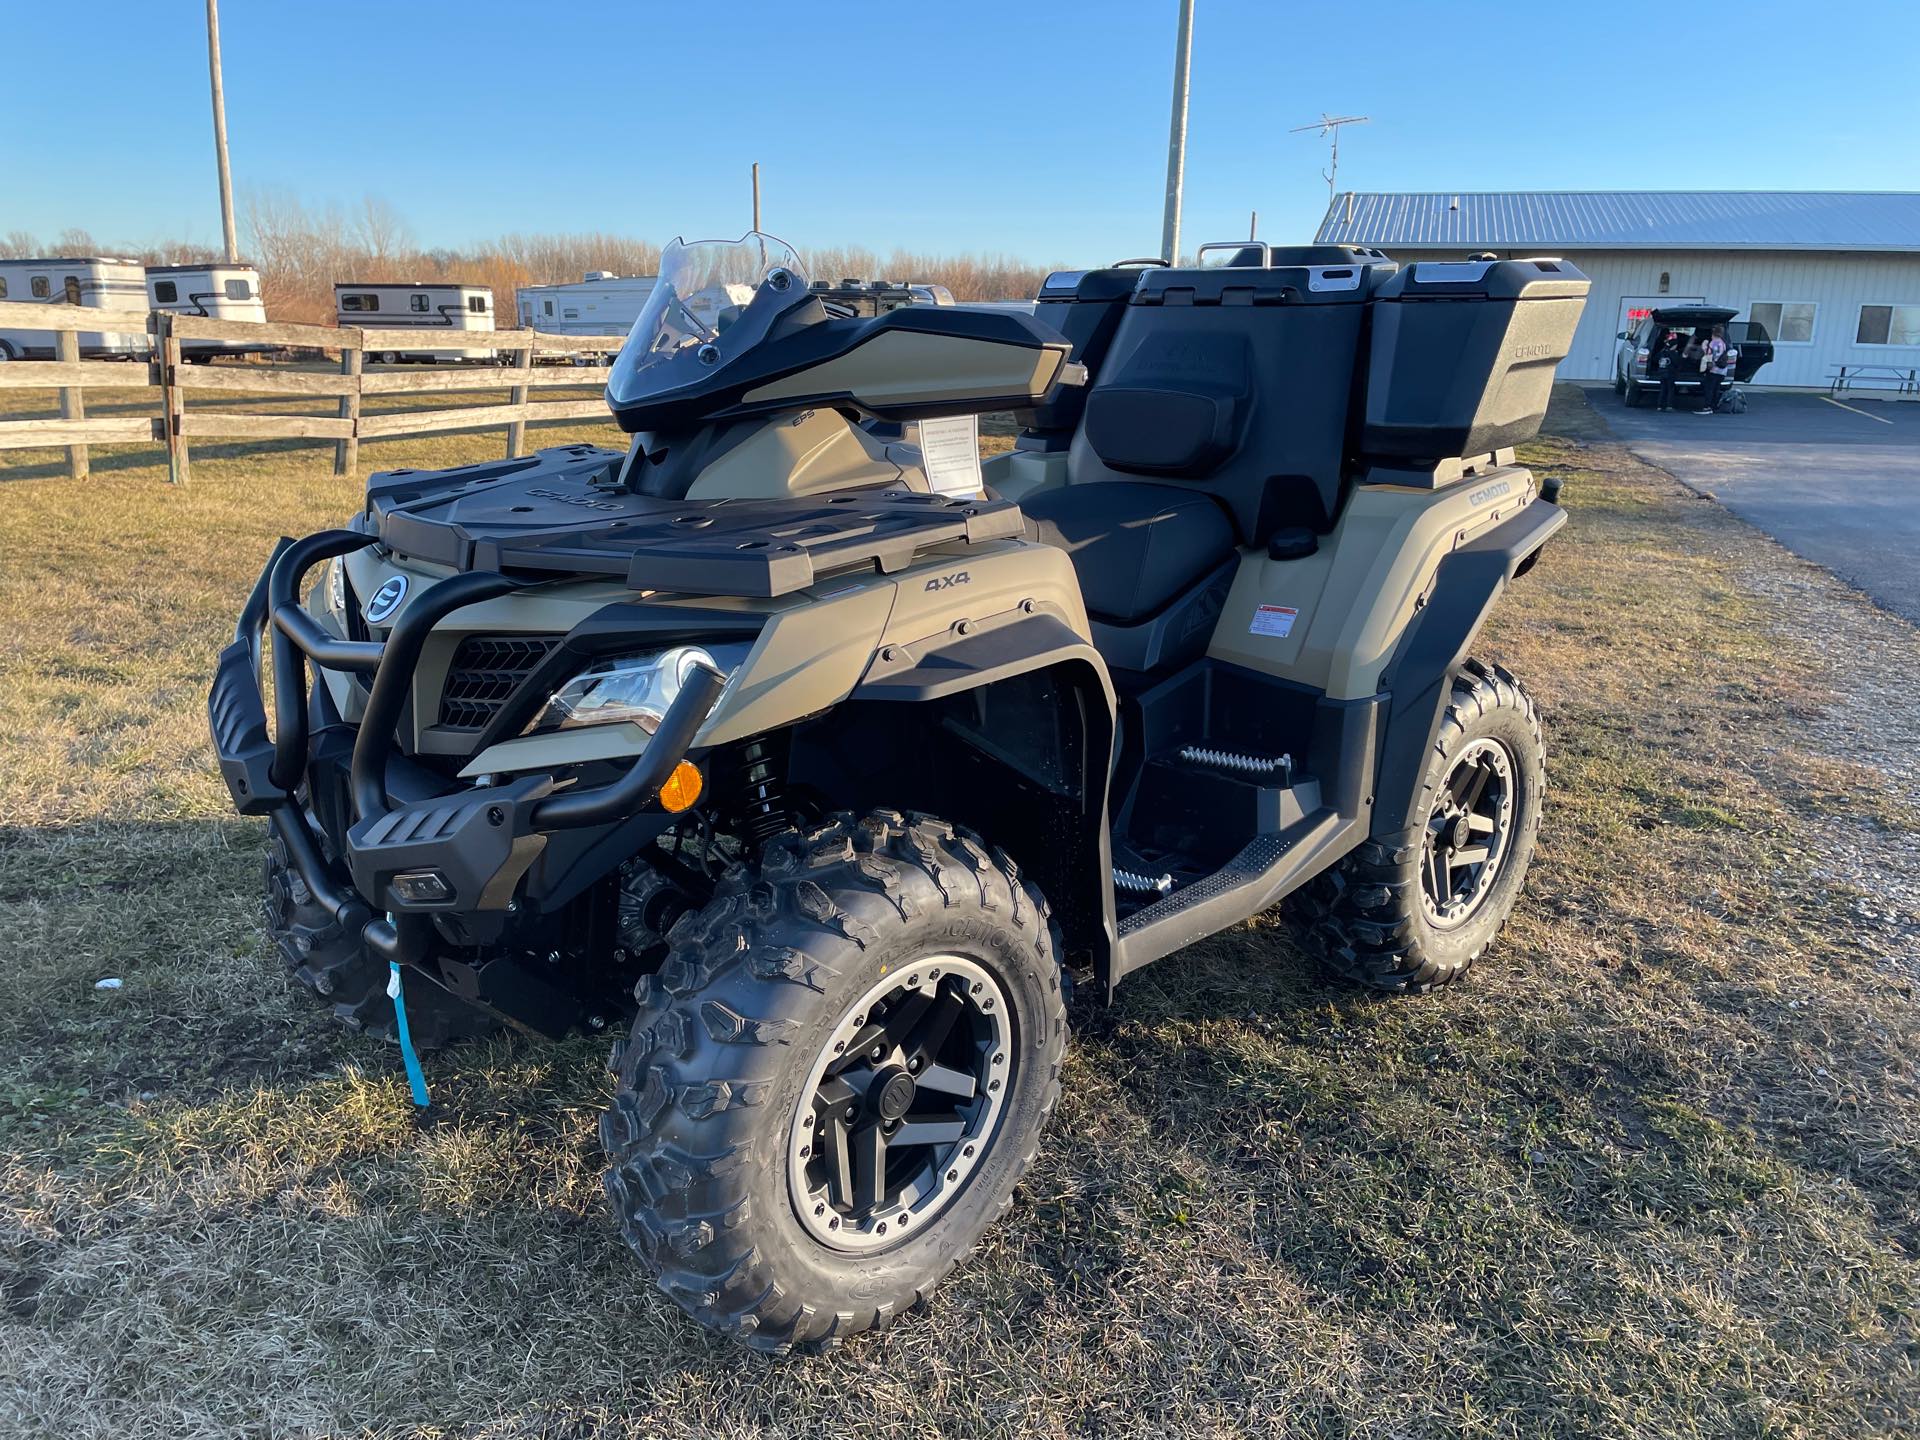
1655 1170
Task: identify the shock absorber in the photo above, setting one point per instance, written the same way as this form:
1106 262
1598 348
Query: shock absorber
750 786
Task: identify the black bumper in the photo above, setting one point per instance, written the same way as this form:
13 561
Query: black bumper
477 842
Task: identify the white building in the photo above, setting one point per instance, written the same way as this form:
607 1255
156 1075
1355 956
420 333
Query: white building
1834 277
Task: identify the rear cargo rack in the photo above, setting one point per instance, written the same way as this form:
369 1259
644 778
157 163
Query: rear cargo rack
560 517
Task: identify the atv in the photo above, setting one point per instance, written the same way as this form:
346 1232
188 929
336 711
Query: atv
818 768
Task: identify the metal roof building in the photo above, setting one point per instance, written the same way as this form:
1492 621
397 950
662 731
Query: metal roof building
1833 275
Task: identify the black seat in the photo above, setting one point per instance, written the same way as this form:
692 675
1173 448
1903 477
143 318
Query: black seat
1135 547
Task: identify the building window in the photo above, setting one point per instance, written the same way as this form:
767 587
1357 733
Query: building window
239 290
570 315
165 292
1789 322
1666 282
477 304
417 303
3 287
1888 325
359 302
547 307
41 289
71 288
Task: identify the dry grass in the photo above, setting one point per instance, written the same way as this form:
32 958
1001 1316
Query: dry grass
1654 1172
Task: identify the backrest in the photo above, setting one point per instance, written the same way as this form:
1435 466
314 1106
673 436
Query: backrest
1238 381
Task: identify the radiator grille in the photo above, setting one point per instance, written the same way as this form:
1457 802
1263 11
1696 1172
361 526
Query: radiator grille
486 670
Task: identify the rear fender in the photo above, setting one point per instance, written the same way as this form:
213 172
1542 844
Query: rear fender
1419 677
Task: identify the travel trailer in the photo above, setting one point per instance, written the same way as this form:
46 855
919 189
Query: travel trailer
102 282
217 291
427 308
599 303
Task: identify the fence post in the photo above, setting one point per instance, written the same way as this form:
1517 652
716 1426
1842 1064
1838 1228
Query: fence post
517 430
173 400
346 453
66 347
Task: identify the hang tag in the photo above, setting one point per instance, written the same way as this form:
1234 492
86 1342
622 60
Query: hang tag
950 452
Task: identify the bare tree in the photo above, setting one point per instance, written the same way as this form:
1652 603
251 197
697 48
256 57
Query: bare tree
19 245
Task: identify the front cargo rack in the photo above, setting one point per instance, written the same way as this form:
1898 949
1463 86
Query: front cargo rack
556 513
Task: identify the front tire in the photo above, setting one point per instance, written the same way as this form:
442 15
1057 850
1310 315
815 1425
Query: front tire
1410 912
794 1170
334 966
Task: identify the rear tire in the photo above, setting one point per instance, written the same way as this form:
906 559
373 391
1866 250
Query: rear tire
333 966
1630 396
1619 383
1407 913
721 1117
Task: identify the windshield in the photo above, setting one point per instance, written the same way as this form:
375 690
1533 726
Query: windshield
714 300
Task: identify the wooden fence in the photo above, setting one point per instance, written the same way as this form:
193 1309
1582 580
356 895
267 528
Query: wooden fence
165 371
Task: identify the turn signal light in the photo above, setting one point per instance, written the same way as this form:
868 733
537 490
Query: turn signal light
682 788
421 887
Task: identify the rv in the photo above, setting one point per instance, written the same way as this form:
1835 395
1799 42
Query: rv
600 303
102 282
427 308
217 291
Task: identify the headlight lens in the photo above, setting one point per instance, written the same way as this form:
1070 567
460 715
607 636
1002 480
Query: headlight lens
337 585
637 688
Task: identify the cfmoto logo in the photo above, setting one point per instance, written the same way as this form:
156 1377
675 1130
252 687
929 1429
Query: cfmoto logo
387 599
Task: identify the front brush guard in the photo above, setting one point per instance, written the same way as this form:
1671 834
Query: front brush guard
479 840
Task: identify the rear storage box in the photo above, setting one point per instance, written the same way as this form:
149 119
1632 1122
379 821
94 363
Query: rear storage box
1463 355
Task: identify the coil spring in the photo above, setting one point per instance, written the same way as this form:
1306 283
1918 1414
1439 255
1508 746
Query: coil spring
1228 760
1136 884
751 787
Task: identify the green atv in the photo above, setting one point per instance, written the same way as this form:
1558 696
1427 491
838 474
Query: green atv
816 760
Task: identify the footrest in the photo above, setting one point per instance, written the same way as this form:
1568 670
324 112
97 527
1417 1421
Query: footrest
238 719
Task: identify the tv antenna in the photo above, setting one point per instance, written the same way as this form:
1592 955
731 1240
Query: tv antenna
1330 125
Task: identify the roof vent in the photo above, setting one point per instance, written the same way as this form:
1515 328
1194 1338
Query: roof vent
1454 203
1349 207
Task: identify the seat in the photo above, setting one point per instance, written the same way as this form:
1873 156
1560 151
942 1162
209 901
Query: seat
1135 547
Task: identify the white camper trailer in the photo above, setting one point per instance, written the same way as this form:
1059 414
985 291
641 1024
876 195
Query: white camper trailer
601 303
442 308
217 291
101 282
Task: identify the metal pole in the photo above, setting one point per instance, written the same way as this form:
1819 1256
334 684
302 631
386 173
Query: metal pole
756 194
1253 224
1177 137
220 129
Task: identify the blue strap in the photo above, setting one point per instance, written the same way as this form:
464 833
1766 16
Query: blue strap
416 1078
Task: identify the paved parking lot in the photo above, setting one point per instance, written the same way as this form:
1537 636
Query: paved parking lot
1837 484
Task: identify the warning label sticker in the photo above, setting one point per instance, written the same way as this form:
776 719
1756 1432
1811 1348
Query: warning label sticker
1276 620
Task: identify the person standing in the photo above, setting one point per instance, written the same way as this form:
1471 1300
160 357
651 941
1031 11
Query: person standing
1712 358
1666 365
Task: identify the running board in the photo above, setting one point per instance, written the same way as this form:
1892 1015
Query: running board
1266 870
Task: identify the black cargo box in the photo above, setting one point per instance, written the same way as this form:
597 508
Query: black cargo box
1462 355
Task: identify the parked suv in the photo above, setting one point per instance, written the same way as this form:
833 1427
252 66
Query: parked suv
1634 378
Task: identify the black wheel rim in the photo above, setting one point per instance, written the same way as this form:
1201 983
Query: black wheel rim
901 1104
1468 833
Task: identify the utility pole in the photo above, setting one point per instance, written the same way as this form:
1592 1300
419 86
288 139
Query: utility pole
1253 224
1177 137
220 130
1330 125
756 194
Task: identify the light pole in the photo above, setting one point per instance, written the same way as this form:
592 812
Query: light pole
1177 137
220 130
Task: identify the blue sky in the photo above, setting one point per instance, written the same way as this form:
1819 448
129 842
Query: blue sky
1034 129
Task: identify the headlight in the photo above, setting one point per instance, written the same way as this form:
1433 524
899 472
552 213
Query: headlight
337 586
638 688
